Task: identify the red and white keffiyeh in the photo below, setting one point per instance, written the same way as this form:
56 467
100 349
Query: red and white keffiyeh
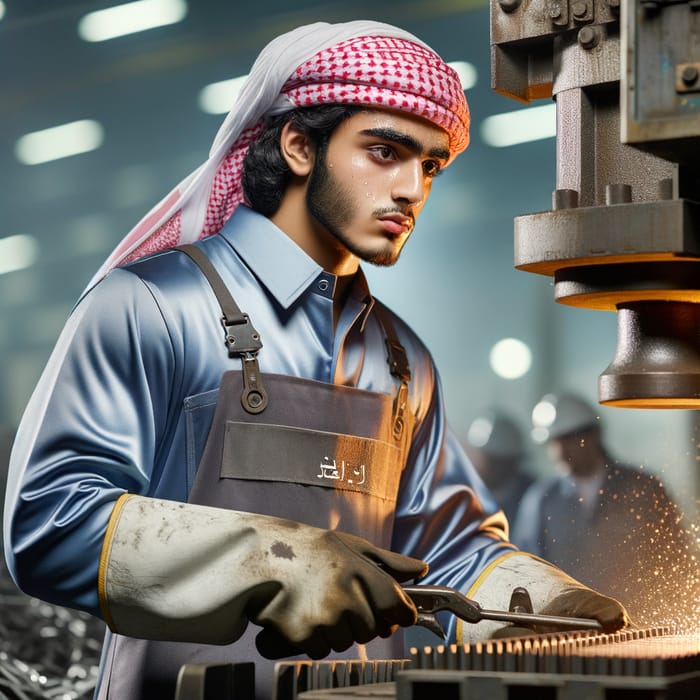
361 62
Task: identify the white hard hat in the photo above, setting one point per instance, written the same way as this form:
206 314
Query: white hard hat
496 434
556 415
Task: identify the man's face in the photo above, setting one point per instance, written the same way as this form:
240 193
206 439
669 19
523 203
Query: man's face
371 182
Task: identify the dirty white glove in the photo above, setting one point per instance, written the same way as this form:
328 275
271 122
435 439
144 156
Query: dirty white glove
182 572
552 592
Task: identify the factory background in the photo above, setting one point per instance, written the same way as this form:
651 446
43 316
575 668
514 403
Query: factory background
497 335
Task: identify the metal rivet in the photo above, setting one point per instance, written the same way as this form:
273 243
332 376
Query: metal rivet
579 9
323 285
555 10
564 199
509 5
587 37
666 188
618 193
689 76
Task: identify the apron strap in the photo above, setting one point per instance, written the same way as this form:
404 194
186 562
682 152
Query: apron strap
241 338
399 368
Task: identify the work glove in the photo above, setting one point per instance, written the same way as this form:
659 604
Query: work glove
551 591
182 572
581 601
359 599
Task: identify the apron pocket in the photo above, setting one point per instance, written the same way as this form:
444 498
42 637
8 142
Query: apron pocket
265 452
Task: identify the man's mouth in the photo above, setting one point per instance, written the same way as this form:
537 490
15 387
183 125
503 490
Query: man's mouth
397 224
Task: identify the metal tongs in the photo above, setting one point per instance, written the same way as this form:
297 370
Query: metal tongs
430 600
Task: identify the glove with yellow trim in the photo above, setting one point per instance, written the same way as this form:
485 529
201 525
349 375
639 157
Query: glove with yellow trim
189 573
551 590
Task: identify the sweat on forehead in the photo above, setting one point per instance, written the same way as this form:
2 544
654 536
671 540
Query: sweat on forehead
385 72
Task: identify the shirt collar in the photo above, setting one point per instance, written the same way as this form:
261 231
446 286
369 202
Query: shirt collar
279 263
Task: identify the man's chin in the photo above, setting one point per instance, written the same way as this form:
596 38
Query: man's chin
382 261
382 258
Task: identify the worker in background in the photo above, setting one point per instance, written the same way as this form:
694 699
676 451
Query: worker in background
496 446
610 524
236 452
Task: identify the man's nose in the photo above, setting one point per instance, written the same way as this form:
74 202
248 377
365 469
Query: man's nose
409 185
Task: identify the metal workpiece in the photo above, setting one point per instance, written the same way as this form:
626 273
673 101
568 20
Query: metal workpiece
647 663
571 666
623 233
654 663
653 652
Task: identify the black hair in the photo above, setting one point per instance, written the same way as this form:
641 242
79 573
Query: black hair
265 172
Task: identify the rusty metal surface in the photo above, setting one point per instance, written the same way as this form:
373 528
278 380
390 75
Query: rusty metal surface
660 82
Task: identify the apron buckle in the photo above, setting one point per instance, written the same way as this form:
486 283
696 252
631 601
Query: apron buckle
240 336
254 396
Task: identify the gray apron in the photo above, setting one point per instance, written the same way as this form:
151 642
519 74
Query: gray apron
326 455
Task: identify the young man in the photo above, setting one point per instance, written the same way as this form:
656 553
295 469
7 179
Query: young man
183 475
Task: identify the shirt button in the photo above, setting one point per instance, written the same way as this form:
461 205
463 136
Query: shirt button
323 285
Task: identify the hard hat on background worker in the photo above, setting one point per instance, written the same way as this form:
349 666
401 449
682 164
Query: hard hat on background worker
496 434
557 415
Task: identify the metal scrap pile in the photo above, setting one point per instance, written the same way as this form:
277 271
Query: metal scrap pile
45 651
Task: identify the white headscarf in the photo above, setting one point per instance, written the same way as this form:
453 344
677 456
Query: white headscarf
358 62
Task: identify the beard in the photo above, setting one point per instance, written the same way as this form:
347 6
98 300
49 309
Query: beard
334 206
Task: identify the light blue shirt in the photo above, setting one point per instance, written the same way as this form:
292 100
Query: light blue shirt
142 347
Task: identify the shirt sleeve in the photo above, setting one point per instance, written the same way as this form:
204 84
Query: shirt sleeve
88 435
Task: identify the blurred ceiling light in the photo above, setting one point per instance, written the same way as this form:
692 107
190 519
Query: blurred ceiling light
466 72
218 98
59 142
510 358
17 252
543 415
520 126
2 9
130 18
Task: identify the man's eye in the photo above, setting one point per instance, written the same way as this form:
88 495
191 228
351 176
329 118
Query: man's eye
431 168
383 152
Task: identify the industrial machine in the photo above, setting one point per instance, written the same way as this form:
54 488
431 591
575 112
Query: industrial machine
623 233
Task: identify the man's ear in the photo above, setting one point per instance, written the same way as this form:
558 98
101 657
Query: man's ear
297 150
